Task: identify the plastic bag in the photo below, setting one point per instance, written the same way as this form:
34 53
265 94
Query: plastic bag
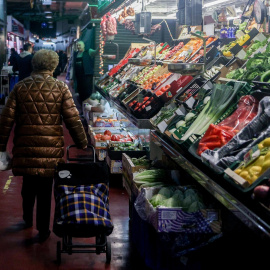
242 142
5 161
217 136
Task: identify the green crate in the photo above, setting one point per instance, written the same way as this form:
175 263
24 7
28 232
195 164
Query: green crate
265 176
245 90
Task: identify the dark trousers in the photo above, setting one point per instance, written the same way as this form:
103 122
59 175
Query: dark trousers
39 189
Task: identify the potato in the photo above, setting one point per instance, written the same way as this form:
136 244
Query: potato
261 192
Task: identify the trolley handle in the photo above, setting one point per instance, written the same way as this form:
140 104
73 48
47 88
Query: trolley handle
81 159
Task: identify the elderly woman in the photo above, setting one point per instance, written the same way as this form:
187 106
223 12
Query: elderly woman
37 105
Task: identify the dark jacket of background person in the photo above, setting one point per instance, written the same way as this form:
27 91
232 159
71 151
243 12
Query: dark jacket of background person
84 79
88 64
13 57
24 65
37 105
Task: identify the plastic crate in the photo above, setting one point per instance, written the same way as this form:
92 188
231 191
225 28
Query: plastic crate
194 85
245 89
265 176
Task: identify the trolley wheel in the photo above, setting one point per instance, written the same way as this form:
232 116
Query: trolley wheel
98 242
108 251
58 252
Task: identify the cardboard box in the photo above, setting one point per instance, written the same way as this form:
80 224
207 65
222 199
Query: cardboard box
165 219
116 166
129 168
100 144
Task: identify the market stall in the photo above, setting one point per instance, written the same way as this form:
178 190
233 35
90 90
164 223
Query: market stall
204 100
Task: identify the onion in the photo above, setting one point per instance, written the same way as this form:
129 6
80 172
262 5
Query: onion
261 192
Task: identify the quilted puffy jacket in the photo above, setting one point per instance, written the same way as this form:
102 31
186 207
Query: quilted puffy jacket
38 105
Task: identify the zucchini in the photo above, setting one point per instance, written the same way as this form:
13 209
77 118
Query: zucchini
265 76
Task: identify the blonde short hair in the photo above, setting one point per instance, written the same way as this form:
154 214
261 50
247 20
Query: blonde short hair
45 60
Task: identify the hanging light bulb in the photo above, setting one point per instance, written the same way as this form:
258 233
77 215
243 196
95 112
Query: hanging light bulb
49 16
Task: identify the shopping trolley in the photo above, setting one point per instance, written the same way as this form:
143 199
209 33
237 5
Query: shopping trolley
81 191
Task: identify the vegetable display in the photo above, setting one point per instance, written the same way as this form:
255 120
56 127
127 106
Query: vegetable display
142 161
256 66
150 178
218 135
221 98
170 196
253 169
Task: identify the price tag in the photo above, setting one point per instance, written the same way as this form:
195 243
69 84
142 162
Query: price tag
239 34
148 108
241 55
162 126
190 102
238 179
181 110
251 155
260 37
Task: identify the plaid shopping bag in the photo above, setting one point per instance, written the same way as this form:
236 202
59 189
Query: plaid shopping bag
83 205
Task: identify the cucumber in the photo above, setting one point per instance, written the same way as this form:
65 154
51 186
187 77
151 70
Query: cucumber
265 76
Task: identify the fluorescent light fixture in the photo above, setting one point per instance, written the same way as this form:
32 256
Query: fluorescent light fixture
47 12
48 16
215 3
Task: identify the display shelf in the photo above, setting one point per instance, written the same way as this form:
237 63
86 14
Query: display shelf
239 209
139 123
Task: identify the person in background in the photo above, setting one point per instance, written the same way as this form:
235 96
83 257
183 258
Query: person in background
82 72
13 57
24 64
60 60
57 71
37 106
64 61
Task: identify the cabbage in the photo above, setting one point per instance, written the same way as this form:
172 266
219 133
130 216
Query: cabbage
195 206
166 192
179 193
172 202
190 192
187 201
157 199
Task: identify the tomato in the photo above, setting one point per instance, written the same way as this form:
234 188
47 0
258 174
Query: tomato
145 98
98 136
147 103
114 138
159 93
107 132
105 137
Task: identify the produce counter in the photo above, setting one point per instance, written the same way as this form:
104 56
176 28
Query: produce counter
184 112
241 205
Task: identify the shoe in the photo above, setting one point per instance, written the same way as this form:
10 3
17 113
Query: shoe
43 236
